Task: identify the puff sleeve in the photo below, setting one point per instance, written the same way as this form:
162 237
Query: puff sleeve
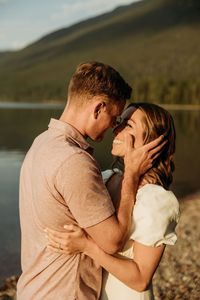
155 216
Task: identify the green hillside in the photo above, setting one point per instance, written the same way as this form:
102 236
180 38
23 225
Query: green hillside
155 44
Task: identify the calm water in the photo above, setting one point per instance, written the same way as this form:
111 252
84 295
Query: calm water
19 126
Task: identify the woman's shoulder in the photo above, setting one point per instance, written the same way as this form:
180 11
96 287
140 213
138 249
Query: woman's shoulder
155 197
156 214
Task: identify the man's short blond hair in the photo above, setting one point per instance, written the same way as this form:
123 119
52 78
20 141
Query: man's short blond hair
97 79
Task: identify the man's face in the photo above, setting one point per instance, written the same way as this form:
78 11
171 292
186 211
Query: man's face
106 118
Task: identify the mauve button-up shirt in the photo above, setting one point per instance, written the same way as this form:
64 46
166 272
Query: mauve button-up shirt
60 183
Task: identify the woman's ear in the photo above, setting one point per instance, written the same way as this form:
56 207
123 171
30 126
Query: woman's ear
98 109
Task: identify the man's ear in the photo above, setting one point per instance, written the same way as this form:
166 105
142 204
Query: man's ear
99 108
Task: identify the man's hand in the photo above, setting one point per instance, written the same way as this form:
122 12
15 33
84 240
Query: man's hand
140 160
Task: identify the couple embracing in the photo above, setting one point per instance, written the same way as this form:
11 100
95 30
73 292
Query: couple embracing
75 219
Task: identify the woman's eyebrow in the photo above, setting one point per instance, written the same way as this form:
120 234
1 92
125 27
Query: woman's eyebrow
131 120
126 120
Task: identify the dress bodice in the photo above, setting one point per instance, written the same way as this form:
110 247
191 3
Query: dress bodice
155 216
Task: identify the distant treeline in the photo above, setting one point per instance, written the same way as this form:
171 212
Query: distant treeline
144 90
167 91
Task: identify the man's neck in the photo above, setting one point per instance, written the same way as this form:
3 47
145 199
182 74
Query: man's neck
74 119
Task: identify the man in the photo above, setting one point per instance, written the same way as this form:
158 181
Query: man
60 183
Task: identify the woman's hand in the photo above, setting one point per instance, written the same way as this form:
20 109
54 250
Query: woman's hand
72 241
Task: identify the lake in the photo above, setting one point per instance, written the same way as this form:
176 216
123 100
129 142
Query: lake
18 127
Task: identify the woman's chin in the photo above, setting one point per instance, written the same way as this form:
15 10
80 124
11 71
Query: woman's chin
114 152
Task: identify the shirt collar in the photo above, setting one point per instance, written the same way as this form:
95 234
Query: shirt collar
71 133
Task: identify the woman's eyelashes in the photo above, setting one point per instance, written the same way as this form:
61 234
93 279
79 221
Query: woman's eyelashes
127 123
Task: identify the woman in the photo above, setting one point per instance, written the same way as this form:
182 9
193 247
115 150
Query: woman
128 274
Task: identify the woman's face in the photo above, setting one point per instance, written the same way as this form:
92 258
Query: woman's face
132 122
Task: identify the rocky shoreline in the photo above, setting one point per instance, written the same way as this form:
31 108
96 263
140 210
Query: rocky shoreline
178 276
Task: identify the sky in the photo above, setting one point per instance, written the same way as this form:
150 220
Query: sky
25 21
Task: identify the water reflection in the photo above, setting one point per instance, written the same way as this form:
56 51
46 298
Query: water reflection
187 159
187 122
10 162
18 127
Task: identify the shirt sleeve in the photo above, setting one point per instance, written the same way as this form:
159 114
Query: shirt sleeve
80 183
155 216
107 174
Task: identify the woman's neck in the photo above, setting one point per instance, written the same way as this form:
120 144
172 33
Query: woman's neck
145 179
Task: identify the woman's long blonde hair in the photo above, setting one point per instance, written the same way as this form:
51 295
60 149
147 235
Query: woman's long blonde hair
159 121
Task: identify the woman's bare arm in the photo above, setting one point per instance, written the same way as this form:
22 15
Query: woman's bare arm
135 273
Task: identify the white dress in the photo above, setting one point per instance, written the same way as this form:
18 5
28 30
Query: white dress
155 216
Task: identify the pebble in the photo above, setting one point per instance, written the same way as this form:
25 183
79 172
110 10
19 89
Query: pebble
178 276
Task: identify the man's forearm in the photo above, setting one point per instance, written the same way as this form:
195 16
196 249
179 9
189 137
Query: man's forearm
125 205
